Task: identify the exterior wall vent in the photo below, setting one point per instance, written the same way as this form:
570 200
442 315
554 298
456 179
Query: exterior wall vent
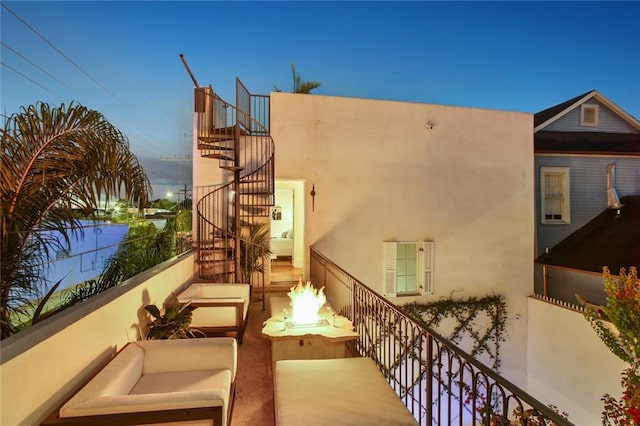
613 201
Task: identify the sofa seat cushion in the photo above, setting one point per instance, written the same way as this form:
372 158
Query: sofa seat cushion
212 313
164 391
119 404
184 381
212 294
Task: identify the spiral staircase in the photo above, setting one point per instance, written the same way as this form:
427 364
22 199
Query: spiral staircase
238 139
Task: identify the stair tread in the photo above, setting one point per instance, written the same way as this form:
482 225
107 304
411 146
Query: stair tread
207 145
218 157
215 138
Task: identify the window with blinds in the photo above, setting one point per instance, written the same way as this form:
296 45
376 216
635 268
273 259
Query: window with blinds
554 195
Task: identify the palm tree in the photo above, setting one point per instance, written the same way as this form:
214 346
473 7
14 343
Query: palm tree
55 159
300 86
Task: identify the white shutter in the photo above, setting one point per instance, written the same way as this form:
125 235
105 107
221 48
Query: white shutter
428 253
389 268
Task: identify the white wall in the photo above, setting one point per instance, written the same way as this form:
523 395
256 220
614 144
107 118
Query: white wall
51 358
284 200
568 365
380 174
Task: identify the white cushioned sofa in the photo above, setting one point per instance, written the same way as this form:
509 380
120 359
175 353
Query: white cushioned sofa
221 307
159 381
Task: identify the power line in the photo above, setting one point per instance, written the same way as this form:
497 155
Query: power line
133 129
28 78
141 94
58 50
34 64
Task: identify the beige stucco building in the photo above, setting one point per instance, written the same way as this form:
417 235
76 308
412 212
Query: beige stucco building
461 178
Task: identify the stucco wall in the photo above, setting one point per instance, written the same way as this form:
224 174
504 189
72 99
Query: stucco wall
567 364
59 353
380 174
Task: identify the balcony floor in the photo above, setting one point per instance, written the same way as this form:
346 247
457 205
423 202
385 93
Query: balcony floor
254 380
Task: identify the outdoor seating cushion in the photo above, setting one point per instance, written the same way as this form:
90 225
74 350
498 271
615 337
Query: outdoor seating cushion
160 375
206 296
347 391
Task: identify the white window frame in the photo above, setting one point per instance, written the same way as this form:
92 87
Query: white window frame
564 196
596 115
424 272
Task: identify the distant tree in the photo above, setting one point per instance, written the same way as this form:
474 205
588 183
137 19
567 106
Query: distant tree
163 203
186 204
54 160
183 221
300 86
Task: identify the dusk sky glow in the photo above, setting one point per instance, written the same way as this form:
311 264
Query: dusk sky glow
122 58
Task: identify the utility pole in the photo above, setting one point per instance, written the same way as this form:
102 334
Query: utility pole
184 192
186 158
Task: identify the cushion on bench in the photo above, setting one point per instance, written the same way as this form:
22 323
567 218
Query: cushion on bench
348 391
160 375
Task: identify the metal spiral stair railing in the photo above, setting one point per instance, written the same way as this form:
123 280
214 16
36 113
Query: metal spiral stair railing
243 146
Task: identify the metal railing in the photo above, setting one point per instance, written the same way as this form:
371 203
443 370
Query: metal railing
241 144
438 382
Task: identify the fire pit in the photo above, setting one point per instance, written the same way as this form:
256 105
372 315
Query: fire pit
306 302
304 326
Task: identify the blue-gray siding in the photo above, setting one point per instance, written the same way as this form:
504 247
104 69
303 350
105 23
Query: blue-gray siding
565 284
608 122
588 188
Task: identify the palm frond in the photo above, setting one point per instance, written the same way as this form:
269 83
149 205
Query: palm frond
52 160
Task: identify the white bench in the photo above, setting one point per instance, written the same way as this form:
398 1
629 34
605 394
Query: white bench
348 392
221 307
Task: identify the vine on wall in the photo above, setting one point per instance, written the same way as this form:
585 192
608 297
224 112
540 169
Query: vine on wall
486 338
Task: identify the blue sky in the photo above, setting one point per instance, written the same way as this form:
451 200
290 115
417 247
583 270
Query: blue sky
516 56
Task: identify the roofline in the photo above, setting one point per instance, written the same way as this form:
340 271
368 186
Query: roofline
586 153
583 154
593 94
566 268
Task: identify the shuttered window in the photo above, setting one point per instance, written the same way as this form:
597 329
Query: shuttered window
408 268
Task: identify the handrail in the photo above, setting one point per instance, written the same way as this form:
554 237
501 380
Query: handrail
437 381
241 144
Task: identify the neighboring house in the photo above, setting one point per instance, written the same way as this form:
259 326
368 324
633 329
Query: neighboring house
87 253
611 239
587 157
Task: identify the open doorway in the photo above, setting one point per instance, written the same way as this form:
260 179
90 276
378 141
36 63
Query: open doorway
287 232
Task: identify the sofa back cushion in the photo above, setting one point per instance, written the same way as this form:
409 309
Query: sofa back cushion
216 353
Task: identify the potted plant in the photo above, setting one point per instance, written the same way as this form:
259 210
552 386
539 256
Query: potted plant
255 249
175 323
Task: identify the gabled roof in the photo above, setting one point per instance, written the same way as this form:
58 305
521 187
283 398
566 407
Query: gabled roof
610 239
545 117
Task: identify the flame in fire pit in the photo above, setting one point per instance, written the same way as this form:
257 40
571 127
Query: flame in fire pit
306 301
